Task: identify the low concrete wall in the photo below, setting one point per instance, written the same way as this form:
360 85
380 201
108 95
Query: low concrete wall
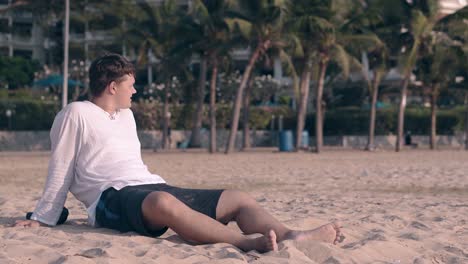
152 139
24 140
39 140
390 141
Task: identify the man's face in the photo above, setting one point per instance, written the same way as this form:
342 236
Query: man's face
124 91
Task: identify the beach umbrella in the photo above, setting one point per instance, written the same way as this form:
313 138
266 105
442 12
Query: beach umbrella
55 80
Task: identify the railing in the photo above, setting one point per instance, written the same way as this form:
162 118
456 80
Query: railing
4 38
22 40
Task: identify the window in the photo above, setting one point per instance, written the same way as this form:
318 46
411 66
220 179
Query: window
4 25
27 54
22 29
4 52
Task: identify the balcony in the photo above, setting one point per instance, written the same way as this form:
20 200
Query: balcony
19 40
4 37
101 36
241 54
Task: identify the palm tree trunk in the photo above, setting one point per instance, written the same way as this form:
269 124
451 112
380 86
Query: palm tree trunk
165 117
245 118
86 56
401 114
466 121
214 75
304 98
65 54
76 93
373 110
124 29
238 101
318 105
432 143
195 140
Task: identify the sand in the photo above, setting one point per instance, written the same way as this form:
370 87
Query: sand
408 207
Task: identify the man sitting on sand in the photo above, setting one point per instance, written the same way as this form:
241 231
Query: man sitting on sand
96 156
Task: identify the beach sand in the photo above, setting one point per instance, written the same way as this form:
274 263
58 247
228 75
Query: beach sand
407 207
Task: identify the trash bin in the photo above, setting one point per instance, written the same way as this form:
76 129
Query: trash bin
286 140
305 139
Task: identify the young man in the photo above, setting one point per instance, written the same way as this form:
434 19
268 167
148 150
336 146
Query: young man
96 156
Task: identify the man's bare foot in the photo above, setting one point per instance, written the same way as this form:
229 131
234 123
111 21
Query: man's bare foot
329 233
262 244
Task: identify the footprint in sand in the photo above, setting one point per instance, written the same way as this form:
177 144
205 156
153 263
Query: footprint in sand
456 251
229 253
411 236
140 252
419 225
93 253
373 235
395 221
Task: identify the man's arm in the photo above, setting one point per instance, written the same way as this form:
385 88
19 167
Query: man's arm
65 139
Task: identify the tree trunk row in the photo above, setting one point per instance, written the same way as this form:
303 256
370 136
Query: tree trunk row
195 137
263 46
318 106
304 98
214 75
372 117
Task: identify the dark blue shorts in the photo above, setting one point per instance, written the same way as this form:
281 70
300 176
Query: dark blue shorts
121 210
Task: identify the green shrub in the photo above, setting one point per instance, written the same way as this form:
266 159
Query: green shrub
355 121
33 114
146 115
16 71
28 115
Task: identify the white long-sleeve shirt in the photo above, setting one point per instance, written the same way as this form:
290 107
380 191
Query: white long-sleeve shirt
91 151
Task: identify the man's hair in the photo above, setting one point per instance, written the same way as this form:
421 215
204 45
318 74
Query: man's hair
106 69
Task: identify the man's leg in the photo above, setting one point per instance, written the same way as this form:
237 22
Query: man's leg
251 218
161 209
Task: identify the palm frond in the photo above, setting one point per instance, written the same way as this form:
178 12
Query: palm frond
418 23
290 68
241 26
341 57
367 41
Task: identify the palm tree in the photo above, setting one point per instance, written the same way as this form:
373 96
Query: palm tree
454 26
326 25
122 12
206 33
300 28
372 18
377 62
260 22
437 68
421 22
156 33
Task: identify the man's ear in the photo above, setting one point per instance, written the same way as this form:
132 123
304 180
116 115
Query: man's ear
111 88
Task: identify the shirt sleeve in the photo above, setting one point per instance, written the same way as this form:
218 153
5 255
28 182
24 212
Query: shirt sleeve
65 140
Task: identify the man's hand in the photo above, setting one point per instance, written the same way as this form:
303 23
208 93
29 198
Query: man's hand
27 223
